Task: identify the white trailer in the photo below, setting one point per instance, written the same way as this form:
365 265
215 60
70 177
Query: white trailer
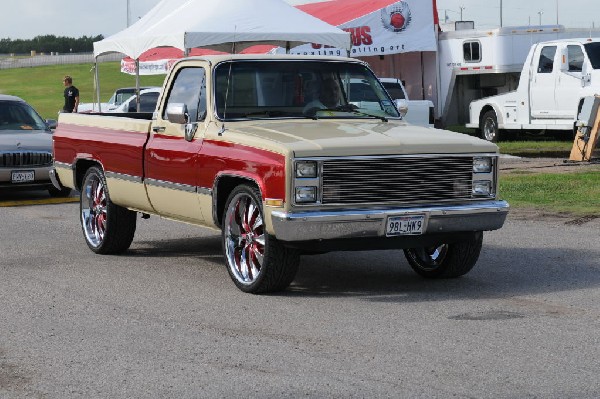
474 64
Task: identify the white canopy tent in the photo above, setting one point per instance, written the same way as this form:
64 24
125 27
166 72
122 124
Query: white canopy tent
225 25
186 24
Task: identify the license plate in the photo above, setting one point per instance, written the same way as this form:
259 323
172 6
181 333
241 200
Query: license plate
405 225
22 176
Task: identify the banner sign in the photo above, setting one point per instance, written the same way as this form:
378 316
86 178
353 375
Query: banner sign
159 67
401 27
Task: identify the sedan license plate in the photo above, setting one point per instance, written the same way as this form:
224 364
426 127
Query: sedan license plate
405 225
22 176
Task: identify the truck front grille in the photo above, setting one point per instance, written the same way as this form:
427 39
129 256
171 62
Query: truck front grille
30 158
397 180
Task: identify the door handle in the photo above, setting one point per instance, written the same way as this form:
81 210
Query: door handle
158 129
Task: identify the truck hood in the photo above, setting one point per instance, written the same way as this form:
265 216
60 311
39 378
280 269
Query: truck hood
353 138
20 140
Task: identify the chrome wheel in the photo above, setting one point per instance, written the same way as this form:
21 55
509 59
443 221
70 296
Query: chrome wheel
94 210
244 237
489 126
446 260
430 258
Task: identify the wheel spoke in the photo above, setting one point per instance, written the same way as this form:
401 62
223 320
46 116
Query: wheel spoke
248 211
258 223
254 266
258 255
244 269
240 213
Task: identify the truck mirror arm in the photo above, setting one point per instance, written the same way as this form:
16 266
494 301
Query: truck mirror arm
190 131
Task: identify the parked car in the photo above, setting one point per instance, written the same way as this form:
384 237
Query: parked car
119 97
148 100
25 147
418 112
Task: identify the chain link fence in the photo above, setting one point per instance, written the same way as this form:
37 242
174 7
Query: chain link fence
8 61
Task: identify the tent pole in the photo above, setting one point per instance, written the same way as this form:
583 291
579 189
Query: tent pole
287 47
97 81
137 84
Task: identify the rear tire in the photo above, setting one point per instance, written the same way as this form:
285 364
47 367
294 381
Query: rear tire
446 260
489 127
256 261
107 228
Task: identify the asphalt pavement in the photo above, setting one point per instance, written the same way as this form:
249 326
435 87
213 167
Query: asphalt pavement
164 319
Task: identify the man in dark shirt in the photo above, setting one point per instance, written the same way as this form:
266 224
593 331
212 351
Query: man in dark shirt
71 95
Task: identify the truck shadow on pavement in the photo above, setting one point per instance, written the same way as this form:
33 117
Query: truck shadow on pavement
385 276
205 248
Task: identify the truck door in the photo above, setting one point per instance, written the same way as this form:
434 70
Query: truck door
171 173
568 89
543 81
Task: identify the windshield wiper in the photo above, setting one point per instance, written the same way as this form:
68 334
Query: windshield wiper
313 112
354 109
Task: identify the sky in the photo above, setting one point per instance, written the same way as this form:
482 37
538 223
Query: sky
25 19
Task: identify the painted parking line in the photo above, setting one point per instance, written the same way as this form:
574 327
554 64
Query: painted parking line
42 201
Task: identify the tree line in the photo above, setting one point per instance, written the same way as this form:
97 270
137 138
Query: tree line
49 44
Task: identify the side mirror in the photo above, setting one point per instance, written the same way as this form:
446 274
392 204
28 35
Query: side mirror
51 123
178 113
401 106
586 77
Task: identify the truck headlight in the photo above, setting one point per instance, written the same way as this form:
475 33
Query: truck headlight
482 165
306 169
306 194
482 188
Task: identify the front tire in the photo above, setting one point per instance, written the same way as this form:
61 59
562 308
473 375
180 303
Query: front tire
446 260
257 262
107 228
489 127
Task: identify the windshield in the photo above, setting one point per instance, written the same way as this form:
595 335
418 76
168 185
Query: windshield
593 52
16 115
299 89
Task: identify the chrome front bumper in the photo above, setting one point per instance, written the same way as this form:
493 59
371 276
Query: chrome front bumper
323 225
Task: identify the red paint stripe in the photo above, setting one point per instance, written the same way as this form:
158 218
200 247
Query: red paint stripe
120 151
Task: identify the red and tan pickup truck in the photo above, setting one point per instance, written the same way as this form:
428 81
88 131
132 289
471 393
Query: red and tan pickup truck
268 150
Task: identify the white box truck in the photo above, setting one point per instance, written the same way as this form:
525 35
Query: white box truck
555 78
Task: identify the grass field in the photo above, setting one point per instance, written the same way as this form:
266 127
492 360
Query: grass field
574 193
42 87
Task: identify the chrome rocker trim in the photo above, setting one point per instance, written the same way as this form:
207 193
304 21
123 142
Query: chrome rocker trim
326 225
